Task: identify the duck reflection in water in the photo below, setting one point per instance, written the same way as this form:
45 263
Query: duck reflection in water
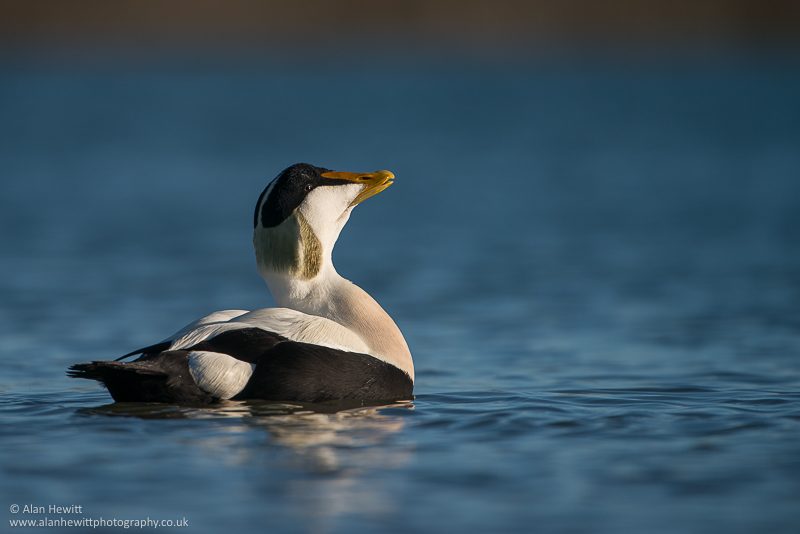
338 455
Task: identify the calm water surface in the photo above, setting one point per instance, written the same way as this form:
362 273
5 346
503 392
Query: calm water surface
597 270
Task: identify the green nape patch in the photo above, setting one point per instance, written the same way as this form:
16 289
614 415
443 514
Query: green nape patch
291 247
312 250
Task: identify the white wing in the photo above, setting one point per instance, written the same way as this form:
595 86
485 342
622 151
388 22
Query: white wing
216 317
291 324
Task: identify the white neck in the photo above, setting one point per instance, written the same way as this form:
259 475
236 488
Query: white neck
333 297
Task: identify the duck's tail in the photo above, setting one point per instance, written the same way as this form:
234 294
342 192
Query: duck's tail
157 377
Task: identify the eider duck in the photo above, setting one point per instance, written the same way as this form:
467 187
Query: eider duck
328 339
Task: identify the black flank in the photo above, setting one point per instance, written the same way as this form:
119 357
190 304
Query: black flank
303 372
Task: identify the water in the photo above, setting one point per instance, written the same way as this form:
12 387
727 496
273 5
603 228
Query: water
597 269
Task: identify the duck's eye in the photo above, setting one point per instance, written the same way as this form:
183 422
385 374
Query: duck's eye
309 187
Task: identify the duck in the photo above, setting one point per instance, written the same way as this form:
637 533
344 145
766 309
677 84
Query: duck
327 339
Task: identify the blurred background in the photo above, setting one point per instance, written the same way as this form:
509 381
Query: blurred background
516 26
605 137
592 248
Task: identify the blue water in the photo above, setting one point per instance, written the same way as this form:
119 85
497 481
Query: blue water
596 266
